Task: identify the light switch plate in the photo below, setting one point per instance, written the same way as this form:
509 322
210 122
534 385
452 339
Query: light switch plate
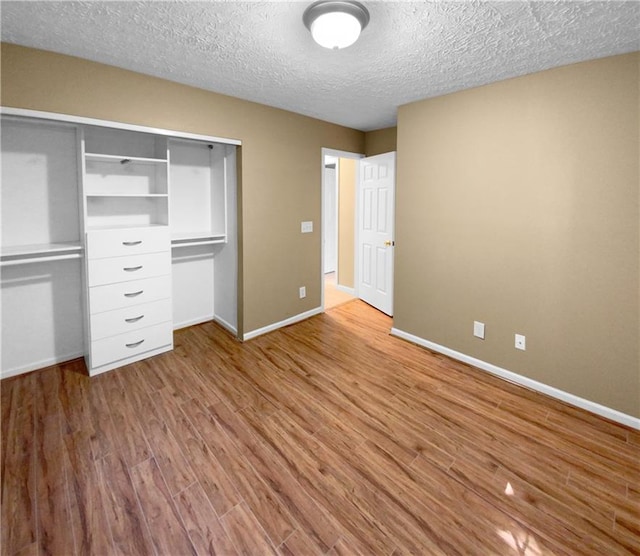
306 227
478 329
521 342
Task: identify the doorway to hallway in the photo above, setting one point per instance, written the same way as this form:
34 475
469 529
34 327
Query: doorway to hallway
339 175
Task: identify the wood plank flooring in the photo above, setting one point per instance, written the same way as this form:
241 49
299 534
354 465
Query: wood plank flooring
329 437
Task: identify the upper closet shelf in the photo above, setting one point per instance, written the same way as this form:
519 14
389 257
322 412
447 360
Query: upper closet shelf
97 157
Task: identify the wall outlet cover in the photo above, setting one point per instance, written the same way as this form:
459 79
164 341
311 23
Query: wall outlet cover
521 342
306 227
478 329
303 292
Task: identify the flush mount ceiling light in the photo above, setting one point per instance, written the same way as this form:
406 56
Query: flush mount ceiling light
335 23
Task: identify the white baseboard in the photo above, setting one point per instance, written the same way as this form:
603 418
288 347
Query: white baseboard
207 318
282 323
41 364
192 322
571 399
226 325
345 289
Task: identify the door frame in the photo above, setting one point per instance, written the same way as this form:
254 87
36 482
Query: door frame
325 151
335 207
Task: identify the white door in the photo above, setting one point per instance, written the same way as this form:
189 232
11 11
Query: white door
376 205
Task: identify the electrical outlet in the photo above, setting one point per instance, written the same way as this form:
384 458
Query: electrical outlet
303 292
478 329
306 227
521 342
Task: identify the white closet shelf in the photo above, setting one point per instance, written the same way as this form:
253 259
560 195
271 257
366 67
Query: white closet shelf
125 227
144 195
97 157
41 252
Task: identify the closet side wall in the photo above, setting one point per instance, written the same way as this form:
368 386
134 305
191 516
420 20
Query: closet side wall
225 270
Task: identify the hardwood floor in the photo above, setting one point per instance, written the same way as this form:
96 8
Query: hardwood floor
327 437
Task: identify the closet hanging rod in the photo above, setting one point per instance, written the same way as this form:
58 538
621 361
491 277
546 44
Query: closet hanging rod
30 260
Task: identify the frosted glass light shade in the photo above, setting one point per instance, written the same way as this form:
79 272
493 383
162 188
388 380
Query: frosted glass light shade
335 23
335 30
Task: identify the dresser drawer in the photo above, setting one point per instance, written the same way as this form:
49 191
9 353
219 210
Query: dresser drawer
128 294
132 343
120 321
132 267
127 241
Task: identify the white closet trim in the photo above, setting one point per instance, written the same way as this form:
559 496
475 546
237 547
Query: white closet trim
25 113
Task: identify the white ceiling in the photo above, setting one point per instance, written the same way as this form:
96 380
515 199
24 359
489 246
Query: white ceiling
261 51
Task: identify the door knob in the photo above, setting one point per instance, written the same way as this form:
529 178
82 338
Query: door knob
389 243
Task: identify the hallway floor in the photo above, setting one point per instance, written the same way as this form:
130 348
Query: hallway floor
332 295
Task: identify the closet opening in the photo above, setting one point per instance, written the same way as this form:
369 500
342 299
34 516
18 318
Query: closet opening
113 236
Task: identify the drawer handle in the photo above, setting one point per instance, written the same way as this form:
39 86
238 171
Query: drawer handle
131 243
134 344
133 294
134 319
131 268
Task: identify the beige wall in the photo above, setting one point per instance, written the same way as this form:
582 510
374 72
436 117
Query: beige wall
346 220
518 206
380 141
281 161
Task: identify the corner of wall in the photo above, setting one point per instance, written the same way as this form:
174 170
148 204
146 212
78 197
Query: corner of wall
380 141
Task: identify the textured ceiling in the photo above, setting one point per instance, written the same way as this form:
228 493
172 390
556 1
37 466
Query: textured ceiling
261 51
